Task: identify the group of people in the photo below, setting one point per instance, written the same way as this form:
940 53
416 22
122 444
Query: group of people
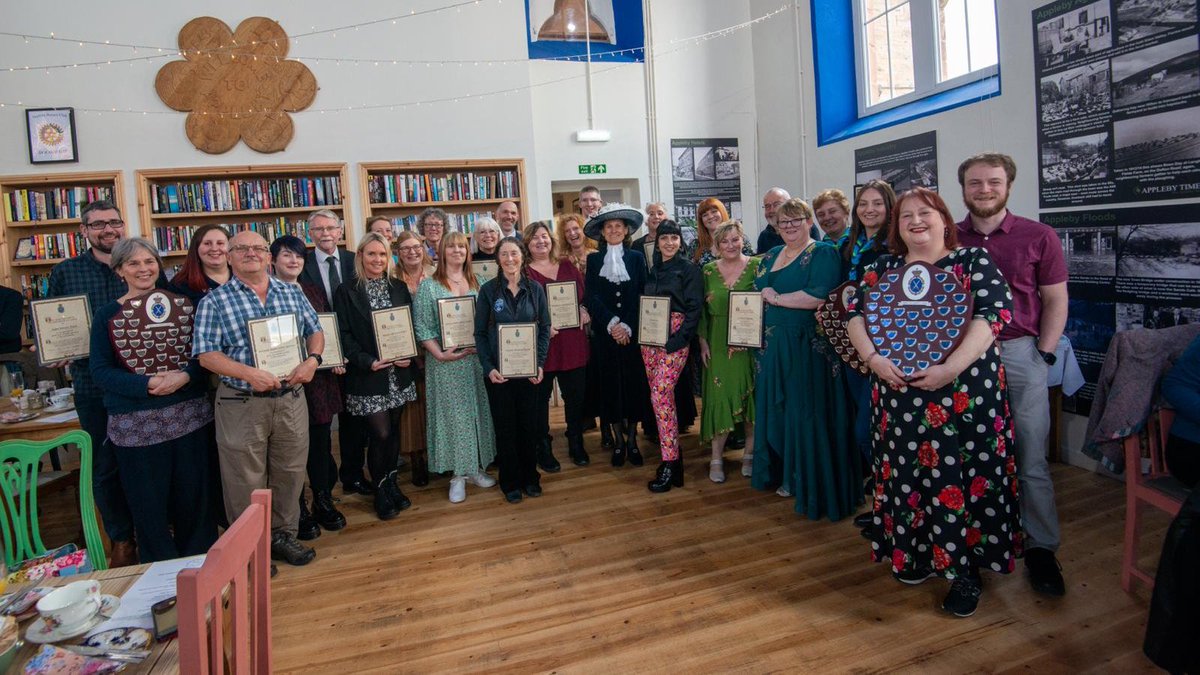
953 457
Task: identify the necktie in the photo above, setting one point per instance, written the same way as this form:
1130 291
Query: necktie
335 277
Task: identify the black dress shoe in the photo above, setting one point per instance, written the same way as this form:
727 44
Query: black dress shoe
533 490
308 528
864 520
325 513
545 457
512 496
576 450
866 533
358 487
631 448
669 474
287 548
1045 574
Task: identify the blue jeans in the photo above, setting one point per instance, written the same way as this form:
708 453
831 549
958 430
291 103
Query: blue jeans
106 478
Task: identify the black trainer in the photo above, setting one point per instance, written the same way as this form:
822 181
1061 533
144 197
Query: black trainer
914 577
1045 574
865 519
308 528
963 597
287 548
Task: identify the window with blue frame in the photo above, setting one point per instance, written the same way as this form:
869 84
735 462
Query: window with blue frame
884 62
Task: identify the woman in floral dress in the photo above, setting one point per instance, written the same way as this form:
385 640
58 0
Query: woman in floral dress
945 472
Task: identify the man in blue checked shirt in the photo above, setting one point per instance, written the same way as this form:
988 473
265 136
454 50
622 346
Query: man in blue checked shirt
262 420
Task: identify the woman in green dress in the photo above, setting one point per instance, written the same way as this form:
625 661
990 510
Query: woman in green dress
805 430
461 438
728 386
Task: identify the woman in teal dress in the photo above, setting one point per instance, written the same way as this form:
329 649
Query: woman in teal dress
728 384
804 435
461 438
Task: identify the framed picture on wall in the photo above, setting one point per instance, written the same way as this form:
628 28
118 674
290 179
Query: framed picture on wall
51 135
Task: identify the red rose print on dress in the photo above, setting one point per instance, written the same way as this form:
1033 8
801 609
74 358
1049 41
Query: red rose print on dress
927 456
979 487
951 497
973 536
886 470
941 559
898 559
888 525
1006 316
961 401
870 279
936 415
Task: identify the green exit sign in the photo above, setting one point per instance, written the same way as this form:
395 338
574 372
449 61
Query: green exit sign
593 168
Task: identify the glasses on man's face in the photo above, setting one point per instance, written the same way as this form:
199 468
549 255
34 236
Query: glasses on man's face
789 223
97 225
772 205
323 230
242 249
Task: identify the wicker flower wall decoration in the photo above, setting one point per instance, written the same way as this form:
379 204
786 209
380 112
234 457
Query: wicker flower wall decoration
236 84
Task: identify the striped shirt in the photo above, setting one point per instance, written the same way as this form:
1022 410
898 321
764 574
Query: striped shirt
223 314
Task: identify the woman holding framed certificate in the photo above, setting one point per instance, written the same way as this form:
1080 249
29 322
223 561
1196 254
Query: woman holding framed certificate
160 425
675 278
804 433
379 380
613 286
728 387
945 464
461 437
568 358
414 262
512 334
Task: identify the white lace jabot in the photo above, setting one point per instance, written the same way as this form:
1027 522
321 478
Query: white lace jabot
614 265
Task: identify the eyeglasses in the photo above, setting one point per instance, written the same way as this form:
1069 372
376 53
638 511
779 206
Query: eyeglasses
322 230
411 249
97 225
244 249
772 205
433 224
789 223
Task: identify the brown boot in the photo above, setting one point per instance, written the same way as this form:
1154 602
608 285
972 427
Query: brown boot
124 554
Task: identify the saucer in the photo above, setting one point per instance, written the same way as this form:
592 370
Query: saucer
59 408
40 633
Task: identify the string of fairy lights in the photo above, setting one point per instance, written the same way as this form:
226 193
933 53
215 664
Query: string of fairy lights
234 51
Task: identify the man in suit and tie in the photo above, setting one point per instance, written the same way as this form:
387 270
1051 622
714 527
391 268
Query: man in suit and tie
328 267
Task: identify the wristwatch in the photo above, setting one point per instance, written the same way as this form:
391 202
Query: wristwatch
1048 357
318 358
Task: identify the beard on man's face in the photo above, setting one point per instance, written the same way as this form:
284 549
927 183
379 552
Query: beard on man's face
989 211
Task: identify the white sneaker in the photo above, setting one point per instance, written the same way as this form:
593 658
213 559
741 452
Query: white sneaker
783 492
716 471
458 490
748 466
482 480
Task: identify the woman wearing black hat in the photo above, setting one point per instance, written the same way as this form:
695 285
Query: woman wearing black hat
615 278
674 277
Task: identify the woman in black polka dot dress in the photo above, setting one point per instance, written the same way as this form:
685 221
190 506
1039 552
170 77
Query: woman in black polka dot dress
945 473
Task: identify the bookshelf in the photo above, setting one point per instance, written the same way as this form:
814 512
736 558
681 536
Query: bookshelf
43 209
271 199
465 189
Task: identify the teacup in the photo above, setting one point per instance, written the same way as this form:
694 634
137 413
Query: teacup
71 606
61 397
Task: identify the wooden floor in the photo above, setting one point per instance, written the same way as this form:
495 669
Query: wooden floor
600 575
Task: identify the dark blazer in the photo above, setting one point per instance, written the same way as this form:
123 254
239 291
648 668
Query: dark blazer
358 338
311 274
496 305
683 282
11 305
324 391
606 299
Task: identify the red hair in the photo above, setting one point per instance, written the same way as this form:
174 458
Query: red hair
191 274
930 198
705 242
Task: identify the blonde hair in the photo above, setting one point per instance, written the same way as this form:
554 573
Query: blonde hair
359 268
404 236
439 274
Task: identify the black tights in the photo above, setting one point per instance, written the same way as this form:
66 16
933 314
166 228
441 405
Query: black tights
383 442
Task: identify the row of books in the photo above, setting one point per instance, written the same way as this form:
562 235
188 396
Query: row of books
451 187
50 246
459 222
33 287
51 204
178 238
246 194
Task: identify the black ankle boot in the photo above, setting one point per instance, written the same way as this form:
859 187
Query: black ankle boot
606 436
670 474
576 450
325 513
618 447
385 504
631 447
308 529
545 457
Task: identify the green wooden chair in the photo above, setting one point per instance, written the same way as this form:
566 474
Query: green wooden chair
19 490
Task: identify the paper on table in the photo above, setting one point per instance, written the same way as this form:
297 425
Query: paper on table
55 419
155 585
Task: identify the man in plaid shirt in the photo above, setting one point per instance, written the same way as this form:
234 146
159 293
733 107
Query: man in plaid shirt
89 274
262 420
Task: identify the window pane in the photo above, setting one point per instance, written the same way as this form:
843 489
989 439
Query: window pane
954 51
873 8
982 29
879 81
901 50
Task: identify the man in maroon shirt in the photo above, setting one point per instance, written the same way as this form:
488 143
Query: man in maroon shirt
1030 256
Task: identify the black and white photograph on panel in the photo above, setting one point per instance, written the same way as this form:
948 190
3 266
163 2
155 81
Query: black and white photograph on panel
681 164
1157 72
1160 251
1089 324
1074 93
1074 34
727 165
1144 315
1089 251
704 161
1080 158
1137 19
1155 139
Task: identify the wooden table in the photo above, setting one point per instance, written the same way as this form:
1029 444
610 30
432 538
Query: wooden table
33 430
164 656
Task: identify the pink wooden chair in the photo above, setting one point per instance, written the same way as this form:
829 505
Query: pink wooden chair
241 562
1156 488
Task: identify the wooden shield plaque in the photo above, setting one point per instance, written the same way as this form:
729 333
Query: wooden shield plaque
916 315
832 315
152 334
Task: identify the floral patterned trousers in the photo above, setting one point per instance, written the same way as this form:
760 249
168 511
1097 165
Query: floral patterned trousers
662 370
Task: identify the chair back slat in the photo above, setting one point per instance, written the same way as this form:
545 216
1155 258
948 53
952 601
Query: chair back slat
241 555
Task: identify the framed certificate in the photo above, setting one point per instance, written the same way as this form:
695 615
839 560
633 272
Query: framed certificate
654 320
517 344
563 298
394 335
276 344
457 318
745 319
648 249
62 328
332 356
486 270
